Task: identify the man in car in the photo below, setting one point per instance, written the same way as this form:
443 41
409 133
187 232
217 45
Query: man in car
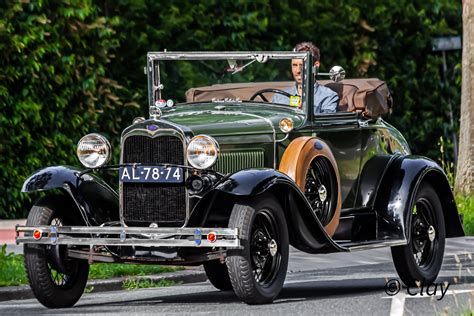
325 99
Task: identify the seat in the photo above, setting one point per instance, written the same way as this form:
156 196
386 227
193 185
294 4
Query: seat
370 96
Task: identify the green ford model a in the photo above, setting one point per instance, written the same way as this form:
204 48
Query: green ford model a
229 180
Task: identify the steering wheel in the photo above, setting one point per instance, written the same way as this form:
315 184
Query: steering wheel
260 93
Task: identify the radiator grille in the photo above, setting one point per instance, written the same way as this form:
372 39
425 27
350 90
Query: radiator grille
145 203
230 162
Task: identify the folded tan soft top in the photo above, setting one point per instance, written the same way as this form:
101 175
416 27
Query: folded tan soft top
371 96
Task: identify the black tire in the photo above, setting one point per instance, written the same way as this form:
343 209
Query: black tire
419 262
257 272
218 275
55 285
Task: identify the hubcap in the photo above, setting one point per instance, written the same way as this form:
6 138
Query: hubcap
424 242
431 233
264 252
323 194
321 189
273 247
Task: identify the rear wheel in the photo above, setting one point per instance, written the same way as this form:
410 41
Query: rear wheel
419 262
56 281
257 272
218 275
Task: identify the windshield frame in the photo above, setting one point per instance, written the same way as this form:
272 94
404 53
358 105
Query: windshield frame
155 86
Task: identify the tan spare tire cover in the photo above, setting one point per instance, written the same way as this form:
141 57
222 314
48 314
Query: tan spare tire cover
297 159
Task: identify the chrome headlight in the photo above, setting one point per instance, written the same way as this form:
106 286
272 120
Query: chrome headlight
93 150
202 152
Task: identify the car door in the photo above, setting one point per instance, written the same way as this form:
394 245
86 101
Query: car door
342 133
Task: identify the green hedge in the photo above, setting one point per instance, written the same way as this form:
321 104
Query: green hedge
72 67
54 88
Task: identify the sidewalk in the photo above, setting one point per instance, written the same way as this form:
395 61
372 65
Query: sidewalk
7 233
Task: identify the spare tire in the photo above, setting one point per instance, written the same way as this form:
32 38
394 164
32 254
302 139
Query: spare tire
311 164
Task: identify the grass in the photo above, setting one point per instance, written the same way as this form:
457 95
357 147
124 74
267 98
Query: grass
12 269
466 208
133 284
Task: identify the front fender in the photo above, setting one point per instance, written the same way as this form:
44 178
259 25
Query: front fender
396 195
305 230
94 199
253 181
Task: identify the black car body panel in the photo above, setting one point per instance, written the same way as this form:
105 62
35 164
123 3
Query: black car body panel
94 199
395 195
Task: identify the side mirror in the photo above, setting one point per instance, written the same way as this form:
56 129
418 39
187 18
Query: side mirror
337 73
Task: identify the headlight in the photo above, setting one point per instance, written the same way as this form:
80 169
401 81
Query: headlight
93 150
286 125
202 152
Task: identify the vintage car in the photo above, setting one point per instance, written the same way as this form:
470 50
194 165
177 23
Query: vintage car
228 179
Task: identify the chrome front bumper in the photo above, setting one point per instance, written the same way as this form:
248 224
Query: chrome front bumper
128 236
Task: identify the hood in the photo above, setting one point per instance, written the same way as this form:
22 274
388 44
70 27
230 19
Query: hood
220 119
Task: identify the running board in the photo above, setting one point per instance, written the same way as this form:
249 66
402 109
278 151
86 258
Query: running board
370 244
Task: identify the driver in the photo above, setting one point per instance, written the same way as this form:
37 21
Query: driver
325 99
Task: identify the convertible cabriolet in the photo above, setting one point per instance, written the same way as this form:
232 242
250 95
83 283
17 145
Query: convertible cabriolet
219 175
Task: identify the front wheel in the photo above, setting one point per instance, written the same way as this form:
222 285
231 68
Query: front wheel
257 272
56 281
218 275
419 262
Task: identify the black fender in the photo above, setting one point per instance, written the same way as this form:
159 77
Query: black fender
396 193
93 198
305 230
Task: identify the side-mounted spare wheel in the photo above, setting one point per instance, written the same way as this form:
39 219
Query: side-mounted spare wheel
419 262
258 270
56 280
311 164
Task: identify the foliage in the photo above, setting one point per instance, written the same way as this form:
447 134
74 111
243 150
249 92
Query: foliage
53 88
105 270
74 67
386 39
465 206
12 269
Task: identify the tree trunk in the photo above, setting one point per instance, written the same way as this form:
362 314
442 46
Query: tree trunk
465 167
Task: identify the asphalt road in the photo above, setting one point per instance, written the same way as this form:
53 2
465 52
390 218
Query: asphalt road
334 284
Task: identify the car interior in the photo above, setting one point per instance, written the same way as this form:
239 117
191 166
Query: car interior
370 96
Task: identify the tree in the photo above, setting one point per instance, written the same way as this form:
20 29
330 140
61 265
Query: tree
465 167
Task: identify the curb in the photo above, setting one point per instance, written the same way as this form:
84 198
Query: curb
23 292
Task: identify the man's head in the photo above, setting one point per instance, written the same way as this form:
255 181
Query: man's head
297 64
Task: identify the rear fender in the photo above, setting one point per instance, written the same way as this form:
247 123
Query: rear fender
396 194
93 198
305 230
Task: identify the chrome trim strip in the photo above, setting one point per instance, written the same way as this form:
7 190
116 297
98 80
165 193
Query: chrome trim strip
231 243
152 56
283 139
161 132
170 237
107 230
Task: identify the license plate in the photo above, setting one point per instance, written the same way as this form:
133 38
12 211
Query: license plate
152 174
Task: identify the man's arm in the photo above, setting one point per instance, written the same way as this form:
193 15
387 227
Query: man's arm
326 101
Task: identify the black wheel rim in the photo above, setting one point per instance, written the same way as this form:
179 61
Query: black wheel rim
60 278
320 189
265 258
423 227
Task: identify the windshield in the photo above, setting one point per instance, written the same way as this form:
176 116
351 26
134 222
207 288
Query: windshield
223 77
